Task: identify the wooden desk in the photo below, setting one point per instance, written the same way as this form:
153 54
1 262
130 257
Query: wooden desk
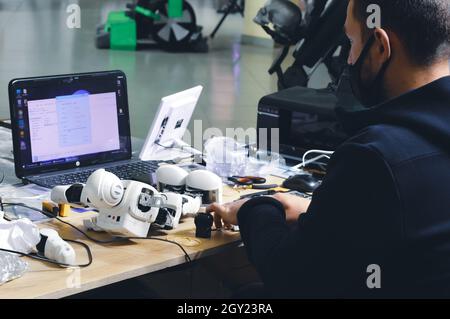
116 262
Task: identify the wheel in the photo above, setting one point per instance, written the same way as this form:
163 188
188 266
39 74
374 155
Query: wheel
172 32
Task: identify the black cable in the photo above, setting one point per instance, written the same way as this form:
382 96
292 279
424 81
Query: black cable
186 255
6 125
114 240
45 259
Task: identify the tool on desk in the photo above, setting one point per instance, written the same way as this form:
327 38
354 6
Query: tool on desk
61 210
251 182
50 207
269 192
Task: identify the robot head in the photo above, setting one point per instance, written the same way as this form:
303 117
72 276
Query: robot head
171 178
285 17
103 190
204 184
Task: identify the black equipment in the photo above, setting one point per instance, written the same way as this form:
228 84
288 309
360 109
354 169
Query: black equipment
203 223
305 119
318 37
304 183
231 7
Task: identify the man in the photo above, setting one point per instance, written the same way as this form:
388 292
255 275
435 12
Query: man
379 226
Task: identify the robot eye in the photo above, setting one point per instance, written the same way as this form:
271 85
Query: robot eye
145 200
147 191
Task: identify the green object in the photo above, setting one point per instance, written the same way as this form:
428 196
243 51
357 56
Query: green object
148 13
122 29
175 8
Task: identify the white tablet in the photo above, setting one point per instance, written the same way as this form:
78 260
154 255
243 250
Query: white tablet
170 124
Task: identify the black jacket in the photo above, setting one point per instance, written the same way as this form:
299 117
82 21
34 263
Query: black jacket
385 201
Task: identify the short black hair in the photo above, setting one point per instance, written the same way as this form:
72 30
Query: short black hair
422 25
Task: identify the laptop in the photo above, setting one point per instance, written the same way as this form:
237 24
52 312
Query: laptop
65 127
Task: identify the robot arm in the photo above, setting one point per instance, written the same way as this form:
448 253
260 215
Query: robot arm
102 190
126 208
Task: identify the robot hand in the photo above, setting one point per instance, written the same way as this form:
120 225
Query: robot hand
55 248
176 206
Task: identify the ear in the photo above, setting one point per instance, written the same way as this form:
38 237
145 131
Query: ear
383 44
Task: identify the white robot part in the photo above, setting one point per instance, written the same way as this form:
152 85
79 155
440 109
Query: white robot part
103 189
126 208
137 209
58 194
175 207
205 184
169 215
57 249
171 177
191 206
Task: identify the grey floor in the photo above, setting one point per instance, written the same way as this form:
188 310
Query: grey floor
36 41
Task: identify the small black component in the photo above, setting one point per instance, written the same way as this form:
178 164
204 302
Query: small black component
203 224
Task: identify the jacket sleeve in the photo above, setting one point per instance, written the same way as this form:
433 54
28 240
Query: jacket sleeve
350 222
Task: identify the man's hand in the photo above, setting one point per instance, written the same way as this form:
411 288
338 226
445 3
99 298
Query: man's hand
293 205
225 215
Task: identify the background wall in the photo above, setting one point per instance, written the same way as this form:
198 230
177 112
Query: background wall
250 28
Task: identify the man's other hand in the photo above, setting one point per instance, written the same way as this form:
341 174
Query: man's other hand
293 205
225 215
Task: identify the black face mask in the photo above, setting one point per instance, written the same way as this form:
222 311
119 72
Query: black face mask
369 94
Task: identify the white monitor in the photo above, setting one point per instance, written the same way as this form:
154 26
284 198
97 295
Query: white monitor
170 124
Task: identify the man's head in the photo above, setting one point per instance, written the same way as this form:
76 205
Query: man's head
413 35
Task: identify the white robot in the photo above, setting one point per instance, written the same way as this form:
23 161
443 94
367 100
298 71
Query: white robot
126 208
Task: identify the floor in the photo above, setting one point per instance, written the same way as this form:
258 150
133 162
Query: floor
36 41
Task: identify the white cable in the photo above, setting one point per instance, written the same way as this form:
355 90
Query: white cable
24 198
317 152
313 160
304 163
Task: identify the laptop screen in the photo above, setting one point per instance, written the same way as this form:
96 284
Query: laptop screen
70 121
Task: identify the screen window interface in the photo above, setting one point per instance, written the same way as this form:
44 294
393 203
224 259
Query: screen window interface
70 122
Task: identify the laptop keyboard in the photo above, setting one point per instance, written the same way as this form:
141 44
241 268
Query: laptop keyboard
124 171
